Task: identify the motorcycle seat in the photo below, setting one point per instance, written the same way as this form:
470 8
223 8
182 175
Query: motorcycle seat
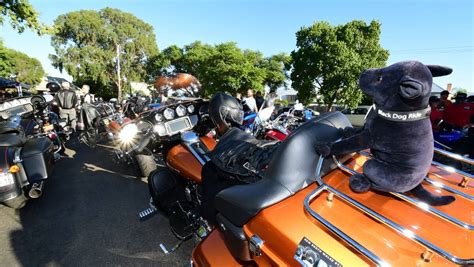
291 168
12 139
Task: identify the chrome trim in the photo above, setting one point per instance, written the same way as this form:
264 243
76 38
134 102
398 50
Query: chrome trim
454 156
255 245
426 207
450 169
17 155
434 183
404 231
419 204
364 251
189 137
448 188
443 145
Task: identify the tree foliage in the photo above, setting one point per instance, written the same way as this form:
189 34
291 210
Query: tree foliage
22 15
26 69
329 59
222 67
86 43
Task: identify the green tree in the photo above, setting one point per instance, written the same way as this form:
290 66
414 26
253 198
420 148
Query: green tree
87 43
26 69
223 67
22 15
329 59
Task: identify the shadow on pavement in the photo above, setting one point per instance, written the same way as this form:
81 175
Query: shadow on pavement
88 216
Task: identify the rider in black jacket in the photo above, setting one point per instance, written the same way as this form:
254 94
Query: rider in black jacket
67 101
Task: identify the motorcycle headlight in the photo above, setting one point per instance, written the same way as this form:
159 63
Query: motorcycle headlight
128 133
190 109
180 111
169 114
159 117
160 129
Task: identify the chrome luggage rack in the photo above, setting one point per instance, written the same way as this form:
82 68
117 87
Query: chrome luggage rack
436 183
377 216
451 169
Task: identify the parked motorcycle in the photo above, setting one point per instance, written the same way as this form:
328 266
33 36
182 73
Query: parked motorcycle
99 120
48 124
27 160
182 93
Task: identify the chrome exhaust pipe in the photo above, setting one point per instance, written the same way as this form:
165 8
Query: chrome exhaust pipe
36 190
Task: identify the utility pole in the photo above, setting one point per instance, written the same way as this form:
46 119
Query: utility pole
119 78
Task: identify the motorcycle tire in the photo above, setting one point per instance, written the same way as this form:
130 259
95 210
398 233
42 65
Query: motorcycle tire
16 203
146 164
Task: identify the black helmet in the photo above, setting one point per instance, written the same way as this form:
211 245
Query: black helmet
225 111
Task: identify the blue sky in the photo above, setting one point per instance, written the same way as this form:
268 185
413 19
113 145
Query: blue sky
431 31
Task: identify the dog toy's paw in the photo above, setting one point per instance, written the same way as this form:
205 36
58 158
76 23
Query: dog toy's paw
359 183
323 149
430 198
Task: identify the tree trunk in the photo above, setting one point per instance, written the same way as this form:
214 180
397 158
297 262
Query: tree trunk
330 104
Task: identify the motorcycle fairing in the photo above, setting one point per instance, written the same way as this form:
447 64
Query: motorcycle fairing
291 168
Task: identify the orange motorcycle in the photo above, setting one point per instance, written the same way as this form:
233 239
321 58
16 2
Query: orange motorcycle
303 212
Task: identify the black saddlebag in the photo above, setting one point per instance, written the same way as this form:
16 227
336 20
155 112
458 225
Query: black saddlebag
38 158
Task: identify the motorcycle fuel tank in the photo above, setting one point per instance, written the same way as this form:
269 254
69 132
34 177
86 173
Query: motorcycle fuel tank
181 159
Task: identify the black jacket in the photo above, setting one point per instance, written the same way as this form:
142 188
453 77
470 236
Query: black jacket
66 99
241 155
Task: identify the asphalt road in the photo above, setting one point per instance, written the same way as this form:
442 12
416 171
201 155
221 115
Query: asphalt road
87 216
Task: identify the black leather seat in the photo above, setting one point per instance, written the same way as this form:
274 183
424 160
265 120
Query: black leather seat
291 167
12 139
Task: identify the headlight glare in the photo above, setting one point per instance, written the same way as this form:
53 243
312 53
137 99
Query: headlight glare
190 109
128 133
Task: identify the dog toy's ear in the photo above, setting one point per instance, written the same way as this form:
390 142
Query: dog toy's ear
410 88
437 70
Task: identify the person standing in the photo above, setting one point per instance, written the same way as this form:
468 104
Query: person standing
67 101
87 98
259 100
436 117
250 101
459 114
444 101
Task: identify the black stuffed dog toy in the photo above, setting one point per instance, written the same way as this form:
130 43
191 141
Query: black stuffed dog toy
397 131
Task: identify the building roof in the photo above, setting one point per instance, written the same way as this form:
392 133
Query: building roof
436 88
